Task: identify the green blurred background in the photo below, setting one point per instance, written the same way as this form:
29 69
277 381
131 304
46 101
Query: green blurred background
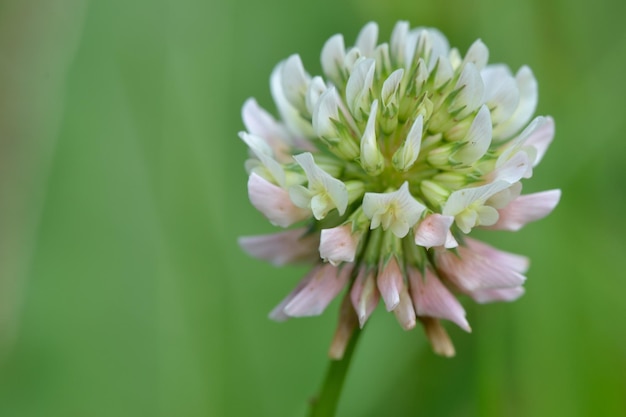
122 193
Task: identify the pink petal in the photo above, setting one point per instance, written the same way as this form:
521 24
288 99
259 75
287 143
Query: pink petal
432 299
434 230
390 283
290 246
517 263
278 313
471 270
502 294
345 329
525 209
338 244
364 294
326 282
404 311
274 202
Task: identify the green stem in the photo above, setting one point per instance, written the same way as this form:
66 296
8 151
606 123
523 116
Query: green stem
325 405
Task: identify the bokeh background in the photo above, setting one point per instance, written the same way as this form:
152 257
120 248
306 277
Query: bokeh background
122 193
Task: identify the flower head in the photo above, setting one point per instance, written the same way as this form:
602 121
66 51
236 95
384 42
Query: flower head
386 165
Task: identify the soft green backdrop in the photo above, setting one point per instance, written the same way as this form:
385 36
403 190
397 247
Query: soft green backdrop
122 193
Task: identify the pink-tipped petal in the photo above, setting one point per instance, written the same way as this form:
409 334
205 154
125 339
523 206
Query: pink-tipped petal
432 299
438 337
491 295
469 270
326 282
404 311
278 313
525 209
517 263
434 231
348 322
288 247
390 283
338 244
364 295
274 202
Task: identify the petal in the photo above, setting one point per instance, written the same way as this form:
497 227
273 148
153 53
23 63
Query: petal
325 283
525 209
501 92
397 210
541 138
501 294
359 86
290 246
462 199
477 54
470 271
438 337
407 154
325 114
263 152
404 312
470 96
338 244
372 159
260 123
528 96
433 230
477 140
390 92
390 283
295 82
443 72
274 202
510 260
294 121
333 57
345 329
398 43
366 40
364 294
433 299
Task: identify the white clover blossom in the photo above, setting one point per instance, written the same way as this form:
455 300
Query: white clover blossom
384 165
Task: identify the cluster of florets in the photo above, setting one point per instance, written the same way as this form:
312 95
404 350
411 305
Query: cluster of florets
385 167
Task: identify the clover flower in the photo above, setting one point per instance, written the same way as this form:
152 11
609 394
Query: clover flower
384 167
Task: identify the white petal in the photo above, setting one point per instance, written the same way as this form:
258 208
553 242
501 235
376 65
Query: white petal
359 87
390 90
338 244
433 299
525 209
397 210
264 153
470 96
327 191
407 154
372 159
501 92
366 41
541 138
477 54
512 170
443 72
295 82
290 246
294 121
398 43
326 112
333 57
477 140
527 86
274 202
433 230
260 123
461 199
313 94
